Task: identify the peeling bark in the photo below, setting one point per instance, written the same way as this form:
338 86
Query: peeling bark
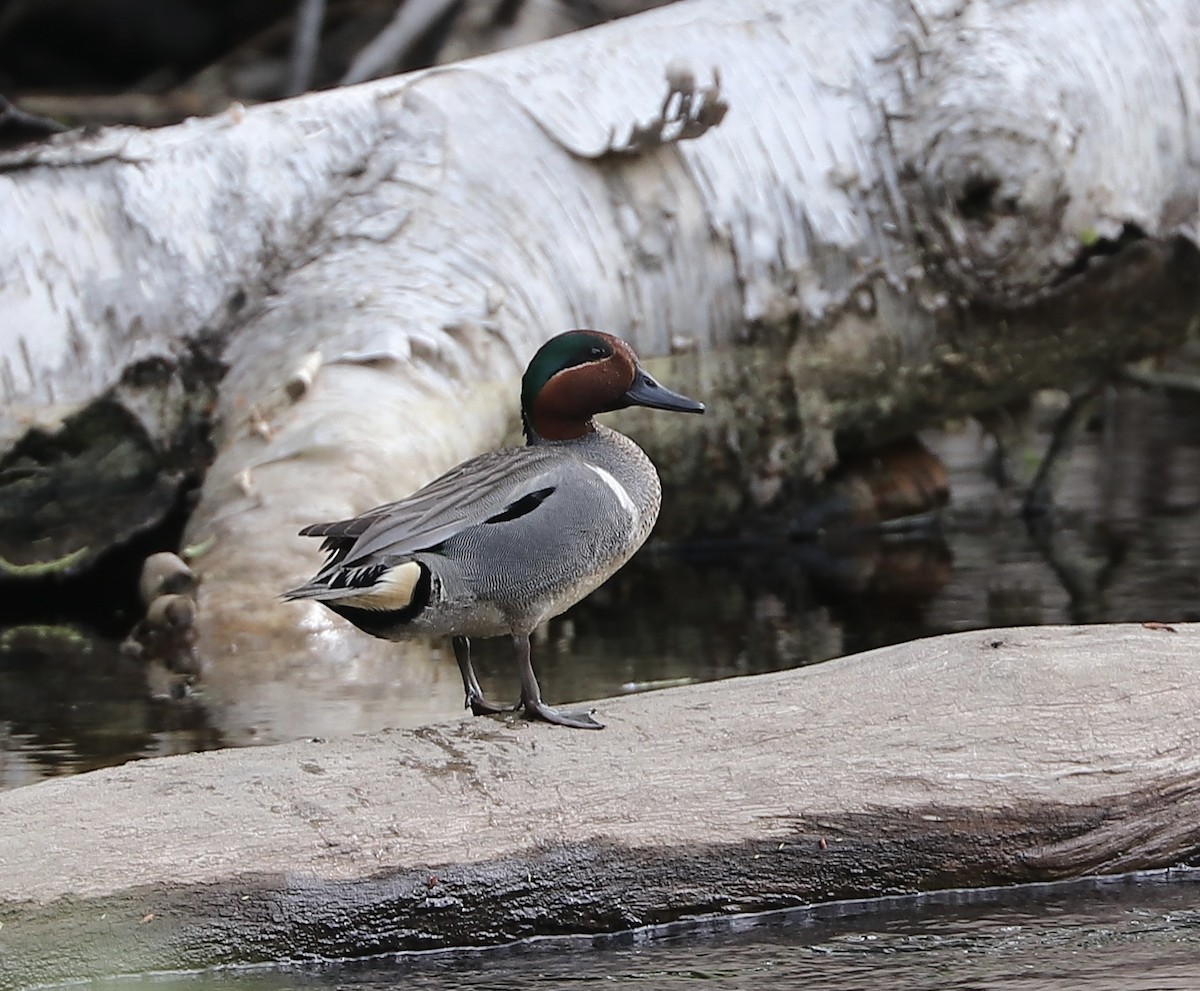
884 213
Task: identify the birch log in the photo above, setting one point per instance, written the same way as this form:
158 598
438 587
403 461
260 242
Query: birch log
853 219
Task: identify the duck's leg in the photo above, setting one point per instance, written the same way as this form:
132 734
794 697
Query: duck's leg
531 694
475 700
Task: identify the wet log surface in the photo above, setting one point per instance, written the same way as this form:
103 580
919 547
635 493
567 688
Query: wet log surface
975 759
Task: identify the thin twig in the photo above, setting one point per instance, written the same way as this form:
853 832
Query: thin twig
18 127
1040 498
412 20
305 44
1170 381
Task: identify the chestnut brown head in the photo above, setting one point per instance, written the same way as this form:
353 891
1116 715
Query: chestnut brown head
581 373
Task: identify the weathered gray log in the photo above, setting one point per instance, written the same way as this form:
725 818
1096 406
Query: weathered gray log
983 758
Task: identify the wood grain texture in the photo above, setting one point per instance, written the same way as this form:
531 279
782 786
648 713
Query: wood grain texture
974 759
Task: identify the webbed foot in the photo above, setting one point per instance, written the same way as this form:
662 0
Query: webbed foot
579 719
531 695
480 706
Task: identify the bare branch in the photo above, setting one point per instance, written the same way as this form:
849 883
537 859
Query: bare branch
382 55
305 45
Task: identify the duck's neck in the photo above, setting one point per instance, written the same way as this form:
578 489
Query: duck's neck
543 429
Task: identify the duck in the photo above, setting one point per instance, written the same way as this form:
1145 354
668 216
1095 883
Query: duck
511 538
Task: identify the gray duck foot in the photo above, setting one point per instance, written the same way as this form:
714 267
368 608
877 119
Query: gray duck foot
531 694
480 706
580 719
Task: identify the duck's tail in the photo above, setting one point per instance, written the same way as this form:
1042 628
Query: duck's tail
381 587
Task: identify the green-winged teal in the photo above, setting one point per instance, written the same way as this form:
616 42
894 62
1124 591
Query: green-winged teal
508 539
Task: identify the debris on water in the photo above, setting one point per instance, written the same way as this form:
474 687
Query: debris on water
648 686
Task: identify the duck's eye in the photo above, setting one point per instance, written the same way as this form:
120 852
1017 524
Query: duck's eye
595 351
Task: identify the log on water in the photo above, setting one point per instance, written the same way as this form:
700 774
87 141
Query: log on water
981 758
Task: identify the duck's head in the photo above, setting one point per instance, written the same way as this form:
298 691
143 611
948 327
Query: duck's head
581 373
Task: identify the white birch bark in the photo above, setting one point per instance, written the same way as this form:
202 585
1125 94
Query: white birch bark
893 211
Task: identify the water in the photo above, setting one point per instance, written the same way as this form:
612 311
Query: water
1129 934
1126 547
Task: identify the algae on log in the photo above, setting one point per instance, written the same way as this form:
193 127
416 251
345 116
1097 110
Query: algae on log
78 480
857 218
993 757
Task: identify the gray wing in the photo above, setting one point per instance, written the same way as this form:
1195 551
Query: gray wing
497 484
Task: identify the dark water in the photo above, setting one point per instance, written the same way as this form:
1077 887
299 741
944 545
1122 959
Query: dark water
1130 934
1124 546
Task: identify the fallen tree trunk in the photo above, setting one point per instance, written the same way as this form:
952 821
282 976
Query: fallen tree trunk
852 220
984 758
915 219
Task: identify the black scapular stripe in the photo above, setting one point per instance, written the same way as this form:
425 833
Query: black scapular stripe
522 507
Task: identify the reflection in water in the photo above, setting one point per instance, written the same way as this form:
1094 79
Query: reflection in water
71 702
1124 545
1127 934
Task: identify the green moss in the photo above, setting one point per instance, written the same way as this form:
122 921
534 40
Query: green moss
42 569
